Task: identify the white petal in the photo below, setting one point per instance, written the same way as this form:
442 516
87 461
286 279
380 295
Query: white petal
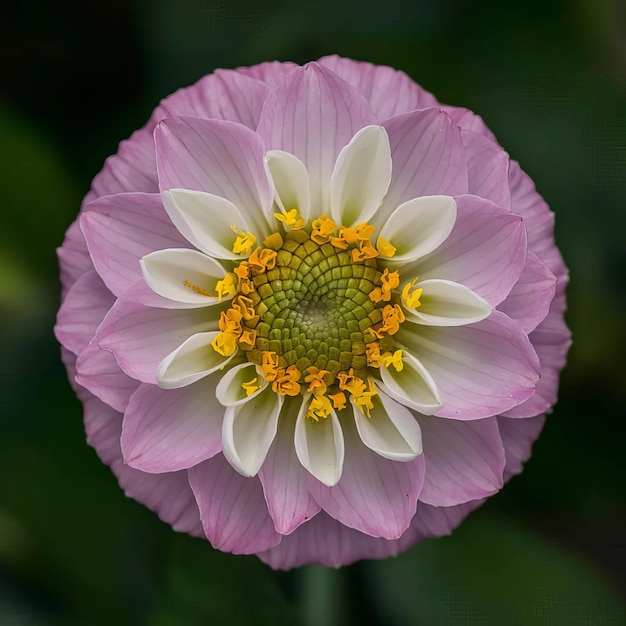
413 386
320 446
445 303
194 359
205 220
166 271
291 182
419 226
249 429
229 391
361 177
391 431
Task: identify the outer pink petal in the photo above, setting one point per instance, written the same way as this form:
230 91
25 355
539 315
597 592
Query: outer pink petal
271 72
82 311
375 495
168 495
464 460
217 157
284 482
435 521
486 250
467 120
99 373
313 114
428 158
487 168
481 369
530 299
388 91
518 437
140 337
120 229
232 508
166 430
74 258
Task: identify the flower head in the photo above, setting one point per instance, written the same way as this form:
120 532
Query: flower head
312 314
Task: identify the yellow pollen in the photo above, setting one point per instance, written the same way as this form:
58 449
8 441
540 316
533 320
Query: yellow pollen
225 343
243 270
364 399
351 382
320 408
230 321
385 248
411 297
316 376
291 219
251 386
390 280
274 241
394 359
226 287
269 365
339 400
364 231
372 352
393 316
247 339
286 381
244 306
363 252
244 242
322 228
262 259
196 289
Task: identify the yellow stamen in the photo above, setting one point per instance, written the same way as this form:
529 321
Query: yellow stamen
291 219
196 289
390 280
251 386
410 296
247 339
243 270
316 379
322 228
372 352
262 259
243 243
364 251
339 400
226 287
364 399
393 316
351 382
230 322
269 365
385 248
394 359
225 343
244 306
364 231
319 408
274 241
286 381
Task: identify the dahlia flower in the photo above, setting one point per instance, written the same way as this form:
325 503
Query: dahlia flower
311 313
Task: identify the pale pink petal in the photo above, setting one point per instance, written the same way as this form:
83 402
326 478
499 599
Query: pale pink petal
166 430
486 251
375 495
168 495
464 460
232 508
518 436
313 115
74 259
82 311
141 337
467 120
428 158
487 168
220 158
435 521
271 73
529 300
284 479
99 373
480 370
388 91
120 229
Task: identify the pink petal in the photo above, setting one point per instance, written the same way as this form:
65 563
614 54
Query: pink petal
99 373
166 430
168 495
74 259
428 158
232 508
387 91
284 480
120 229
486 251
464 460
271 72
529 300
82 311
435 521
467 120
221 158
375 495
487 169
481 370
313 114
223 95
518 436
141 337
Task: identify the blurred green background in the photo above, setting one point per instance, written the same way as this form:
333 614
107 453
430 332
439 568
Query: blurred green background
548 77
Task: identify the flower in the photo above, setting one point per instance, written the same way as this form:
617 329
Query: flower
312 314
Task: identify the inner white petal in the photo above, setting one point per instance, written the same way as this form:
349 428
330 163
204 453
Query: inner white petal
320 446
249 429
229 391
205 220
361 177
174 273
194 359
419 226
291 182
413 387
446 303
